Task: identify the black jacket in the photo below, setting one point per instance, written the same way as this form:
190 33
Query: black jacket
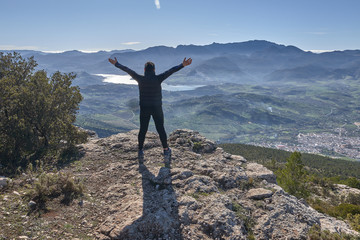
150 84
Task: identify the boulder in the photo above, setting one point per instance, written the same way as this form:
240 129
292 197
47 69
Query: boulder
259 193
4 181
258 171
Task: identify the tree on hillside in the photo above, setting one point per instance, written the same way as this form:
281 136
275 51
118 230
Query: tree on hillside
292 177
37 112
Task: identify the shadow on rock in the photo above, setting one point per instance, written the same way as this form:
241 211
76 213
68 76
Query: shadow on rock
160 219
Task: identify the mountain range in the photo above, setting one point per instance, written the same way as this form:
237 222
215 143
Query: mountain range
242 62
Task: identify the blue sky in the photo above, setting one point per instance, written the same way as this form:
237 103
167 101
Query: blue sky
93 25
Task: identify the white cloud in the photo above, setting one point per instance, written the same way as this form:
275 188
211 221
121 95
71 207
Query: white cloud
14 47
157 4
130 43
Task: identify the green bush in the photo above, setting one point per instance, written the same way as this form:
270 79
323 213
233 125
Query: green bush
316 233
37 112
353 199
344 209
352 182
354 221
52 185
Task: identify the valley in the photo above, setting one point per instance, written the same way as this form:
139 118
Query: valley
255 92
264 116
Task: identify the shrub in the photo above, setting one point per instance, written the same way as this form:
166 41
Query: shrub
353 199
354 221
197 146
37 112
315 233
344 209
52 185
352 182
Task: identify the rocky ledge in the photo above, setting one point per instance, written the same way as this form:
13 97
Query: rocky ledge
205 194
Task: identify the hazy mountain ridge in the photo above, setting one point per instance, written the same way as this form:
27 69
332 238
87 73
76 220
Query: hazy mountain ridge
256 60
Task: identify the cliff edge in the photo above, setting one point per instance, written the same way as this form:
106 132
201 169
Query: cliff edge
205 194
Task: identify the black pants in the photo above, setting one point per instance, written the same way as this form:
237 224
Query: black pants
157 113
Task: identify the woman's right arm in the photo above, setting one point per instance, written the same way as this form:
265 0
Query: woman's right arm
129 71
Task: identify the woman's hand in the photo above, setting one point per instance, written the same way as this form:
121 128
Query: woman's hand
113 61
187 62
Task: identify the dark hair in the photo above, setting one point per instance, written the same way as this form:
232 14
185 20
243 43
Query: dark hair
149 67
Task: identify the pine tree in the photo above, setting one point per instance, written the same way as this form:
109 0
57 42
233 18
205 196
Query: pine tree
293 176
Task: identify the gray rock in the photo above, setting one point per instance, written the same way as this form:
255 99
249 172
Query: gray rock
258 171
201 197
238 158
259 193
286 217
32 205
90 133
192 140
3 181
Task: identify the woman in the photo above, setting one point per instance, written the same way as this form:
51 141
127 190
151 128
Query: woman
151 101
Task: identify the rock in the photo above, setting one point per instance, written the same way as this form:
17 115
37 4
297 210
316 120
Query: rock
238 158
259 193
204 195
202 184
32 205
258 171
3 181
16 193
286 217
90 133
192 140
179 173
229 177
345 190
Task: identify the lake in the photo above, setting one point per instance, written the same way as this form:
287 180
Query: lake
126 79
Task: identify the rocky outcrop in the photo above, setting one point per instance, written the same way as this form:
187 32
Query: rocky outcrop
206 194
3 181
259 193
258 171
345 191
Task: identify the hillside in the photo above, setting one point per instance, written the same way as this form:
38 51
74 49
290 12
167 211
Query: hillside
257 115
316 164
206 194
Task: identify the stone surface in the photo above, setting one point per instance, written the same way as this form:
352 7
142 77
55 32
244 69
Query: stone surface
258 171
32 205
259 193
3 181
345 190
206 194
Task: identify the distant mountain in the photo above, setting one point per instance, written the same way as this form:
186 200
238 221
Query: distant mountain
219 69
256 61
69 61
304 73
